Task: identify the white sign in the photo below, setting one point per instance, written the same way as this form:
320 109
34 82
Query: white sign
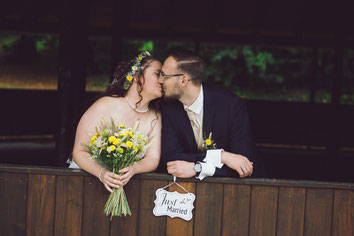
174 204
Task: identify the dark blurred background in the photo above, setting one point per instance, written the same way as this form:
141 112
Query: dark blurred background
292 62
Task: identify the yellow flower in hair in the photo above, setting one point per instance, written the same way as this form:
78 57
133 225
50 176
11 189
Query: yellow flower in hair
116 141
120 150
129 144
208 142
129 78
111 139
140 58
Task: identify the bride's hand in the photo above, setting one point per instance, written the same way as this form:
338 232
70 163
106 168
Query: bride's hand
127 173
110 180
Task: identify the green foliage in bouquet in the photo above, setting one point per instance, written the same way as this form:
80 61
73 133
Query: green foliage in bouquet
115 147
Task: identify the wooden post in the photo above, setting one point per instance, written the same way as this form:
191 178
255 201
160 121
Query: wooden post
338 74
336 90
72 74
314 74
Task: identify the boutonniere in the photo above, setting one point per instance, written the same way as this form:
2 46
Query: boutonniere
208 143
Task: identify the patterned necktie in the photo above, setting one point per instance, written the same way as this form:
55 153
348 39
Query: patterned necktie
196 128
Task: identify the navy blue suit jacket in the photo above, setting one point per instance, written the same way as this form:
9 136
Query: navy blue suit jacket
224 114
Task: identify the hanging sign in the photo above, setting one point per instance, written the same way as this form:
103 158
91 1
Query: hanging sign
174 204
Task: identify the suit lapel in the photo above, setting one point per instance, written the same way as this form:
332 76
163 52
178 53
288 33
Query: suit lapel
208 112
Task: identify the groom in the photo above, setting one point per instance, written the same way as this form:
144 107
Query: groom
191 112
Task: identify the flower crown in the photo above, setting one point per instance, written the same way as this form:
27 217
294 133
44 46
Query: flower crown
129 77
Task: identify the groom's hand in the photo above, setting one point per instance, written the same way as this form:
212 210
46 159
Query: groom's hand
181 169
237 162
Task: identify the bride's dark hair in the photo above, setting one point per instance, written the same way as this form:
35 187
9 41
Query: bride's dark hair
116 88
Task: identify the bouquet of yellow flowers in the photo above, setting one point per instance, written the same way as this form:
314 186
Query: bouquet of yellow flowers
116 147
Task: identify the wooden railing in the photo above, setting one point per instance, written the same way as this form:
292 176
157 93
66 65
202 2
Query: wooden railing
59 201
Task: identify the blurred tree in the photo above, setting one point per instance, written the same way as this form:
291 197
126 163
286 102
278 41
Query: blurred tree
252 71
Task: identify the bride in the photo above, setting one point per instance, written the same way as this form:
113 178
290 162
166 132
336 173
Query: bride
130 98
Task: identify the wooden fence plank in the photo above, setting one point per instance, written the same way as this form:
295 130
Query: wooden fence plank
343 213
68 205
318 213
40 205
236 210
94 221
127 226
13 196
148 223
263 210
177 226
208 209
291 211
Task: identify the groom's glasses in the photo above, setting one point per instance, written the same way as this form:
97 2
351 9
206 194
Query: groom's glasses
168 76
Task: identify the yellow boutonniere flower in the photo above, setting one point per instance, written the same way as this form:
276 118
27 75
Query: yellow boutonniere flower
208 142
93 138
122 126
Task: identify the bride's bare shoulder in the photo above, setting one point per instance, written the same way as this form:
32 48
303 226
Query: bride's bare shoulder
105 104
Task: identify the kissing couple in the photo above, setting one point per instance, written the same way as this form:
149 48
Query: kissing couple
198 130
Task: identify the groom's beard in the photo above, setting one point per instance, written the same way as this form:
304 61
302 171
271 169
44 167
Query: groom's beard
172 97
176 94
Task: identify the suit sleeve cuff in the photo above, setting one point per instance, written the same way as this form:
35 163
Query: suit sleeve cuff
207 170
213 157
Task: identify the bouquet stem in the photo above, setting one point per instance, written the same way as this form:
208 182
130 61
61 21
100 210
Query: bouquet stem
117 204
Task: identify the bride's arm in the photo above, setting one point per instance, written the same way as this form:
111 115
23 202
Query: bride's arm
87 126
152 157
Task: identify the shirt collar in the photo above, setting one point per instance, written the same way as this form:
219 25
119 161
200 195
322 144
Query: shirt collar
197 106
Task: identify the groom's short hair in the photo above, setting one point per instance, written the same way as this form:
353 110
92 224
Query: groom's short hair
190 63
